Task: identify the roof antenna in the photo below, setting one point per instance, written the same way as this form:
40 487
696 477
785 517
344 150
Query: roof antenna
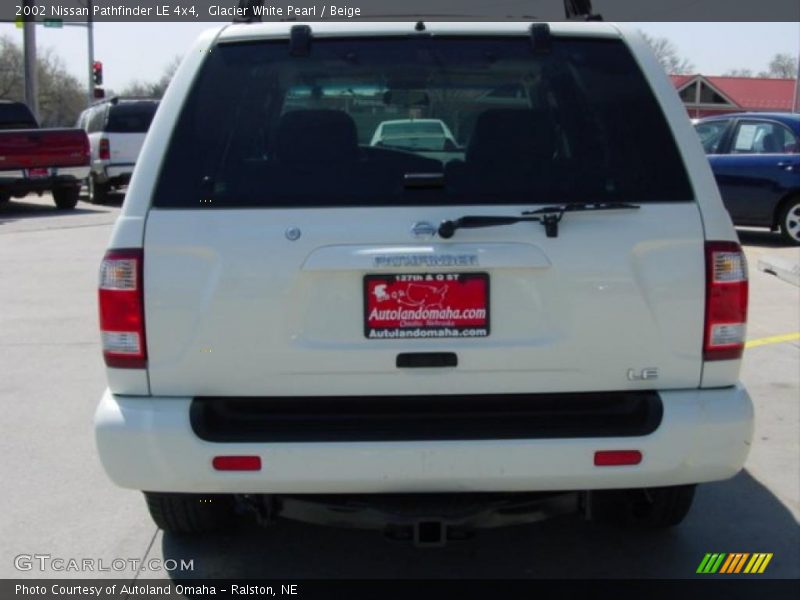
580 9
420 26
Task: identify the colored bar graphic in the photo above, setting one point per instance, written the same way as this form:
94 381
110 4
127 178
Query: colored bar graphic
716 565
728 564
741 562
756 558
734 563
703 564
711 563
768 557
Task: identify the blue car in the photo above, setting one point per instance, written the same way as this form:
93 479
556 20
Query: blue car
756 161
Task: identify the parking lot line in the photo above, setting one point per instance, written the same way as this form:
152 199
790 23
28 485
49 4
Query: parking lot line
774 339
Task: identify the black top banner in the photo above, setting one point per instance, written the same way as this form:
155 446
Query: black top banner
383 10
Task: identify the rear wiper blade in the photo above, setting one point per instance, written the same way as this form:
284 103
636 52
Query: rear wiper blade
548 216
581 206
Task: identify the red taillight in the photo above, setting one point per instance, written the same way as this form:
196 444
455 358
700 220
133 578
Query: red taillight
237 463
121 301
617 458
726 301
105 149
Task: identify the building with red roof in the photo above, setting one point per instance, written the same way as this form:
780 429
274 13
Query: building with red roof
704 96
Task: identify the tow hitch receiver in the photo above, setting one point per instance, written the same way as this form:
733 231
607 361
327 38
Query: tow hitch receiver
426 520
430 533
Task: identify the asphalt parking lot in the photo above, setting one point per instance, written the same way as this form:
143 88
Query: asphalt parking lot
57 500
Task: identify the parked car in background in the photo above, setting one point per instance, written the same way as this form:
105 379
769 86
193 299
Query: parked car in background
415 134
116 128
34 161
756 161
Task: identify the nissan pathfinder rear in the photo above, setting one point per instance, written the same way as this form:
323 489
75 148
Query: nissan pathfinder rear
547 315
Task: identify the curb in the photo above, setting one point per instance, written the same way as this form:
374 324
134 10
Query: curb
782 268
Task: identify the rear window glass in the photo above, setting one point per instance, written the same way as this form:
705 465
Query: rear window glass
14 115
130 118
412 128
368 122
711 135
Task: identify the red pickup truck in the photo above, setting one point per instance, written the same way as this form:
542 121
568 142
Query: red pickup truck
34 160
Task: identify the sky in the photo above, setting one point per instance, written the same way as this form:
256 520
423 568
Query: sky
140 51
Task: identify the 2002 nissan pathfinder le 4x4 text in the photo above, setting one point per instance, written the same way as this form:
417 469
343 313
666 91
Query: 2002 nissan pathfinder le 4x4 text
547 314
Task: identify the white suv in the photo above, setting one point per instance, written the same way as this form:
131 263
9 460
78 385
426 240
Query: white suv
116 128
294 319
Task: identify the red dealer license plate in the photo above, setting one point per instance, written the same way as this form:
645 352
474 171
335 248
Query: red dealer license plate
426 305
38 173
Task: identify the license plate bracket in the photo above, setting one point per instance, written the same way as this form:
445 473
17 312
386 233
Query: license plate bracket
37 173
426 305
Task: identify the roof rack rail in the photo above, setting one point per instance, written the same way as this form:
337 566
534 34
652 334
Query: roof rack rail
248 15
581 9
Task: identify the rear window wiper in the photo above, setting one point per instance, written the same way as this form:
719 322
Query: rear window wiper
549 217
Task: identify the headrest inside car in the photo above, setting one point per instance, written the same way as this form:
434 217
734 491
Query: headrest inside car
316 136
518 135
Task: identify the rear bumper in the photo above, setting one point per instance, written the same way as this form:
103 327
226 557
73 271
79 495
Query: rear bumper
115 173
147 443
16 181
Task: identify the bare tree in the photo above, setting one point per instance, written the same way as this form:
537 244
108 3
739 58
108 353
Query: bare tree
11 78
153 89
738 73
782 66
61 95
667 54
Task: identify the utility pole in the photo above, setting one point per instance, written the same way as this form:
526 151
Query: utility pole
796 104
29 44
90 34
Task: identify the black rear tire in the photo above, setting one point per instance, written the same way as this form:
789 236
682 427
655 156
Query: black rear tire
98 192
645 508
789 220
4 197
190 513
66 198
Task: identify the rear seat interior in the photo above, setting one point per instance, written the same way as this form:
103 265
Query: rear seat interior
316 155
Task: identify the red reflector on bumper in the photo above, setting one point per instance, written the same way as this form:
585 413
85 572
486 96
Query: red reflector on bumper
237 463
615 458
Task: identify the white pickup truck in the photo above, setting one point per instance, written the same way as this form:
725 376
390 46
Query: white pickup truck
310 326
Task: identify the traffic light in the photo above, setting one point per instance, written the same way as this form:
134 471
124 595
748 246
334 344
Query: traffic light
97 72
